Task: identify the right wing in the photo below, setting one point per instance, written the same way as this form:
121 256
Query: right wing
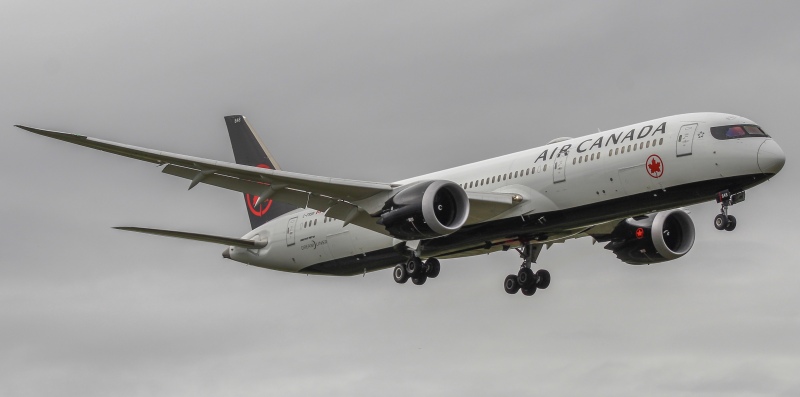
344 199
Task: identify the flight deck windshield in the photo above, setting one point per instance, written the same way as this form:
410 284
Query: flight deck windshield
737 131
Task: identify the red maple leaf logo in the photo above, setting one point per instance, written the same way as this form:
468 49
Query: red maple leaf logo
654 166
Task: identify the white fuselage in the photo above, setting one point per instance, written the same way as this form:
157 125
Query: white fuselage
575 172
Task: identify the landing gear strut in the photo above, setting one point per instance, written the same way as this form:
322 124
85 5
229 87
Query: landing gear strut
416 270
723 221
526 280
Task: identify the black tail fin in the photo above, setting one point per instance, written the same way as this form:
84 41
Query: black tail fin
249 150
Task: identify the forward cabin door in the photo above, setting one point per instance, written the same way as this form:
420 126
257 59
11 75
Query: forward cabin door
559 171
685 139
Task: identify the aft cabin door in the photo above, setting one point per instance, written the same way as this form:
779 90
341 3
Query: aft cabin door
685 139
290 232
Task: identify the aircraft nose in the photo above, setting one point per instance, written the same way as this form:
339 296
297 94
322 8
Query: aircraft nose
227 253
770 157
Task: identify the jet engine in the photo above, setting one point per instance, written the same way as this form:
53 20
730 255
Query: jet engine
653 238
424 210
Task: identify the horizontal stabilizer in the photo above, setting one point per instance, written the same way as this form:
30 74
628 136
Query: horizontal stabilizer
237 242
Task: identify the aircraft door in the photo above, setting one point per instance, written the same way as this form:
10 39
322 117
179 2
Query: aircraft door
685 139
290 232
559 172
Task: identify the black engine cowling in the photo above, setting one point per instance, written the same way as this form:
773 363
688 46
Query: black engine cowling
653 238
427 209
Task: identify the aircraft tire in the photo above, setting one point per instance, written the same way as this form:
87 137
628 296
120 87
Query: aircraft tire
526 278
400 274
731 223
419 280
720 221
511 285
544 279
432 267
528 291
414 267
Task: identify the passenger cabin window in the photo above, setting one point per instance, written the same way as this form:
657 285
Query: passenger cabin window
737 131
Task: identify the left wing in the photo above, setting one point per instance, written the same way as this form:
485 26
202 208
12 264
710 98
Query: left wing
348 200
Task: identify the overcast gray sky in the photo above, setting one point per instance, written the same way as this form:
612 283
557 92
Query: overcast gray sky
378 91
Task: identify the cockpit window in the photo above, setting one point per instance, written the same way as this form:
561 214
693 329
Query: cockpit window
737 131
754 130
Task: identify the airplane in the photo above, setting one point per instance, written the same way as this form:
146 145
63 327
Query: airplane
625 187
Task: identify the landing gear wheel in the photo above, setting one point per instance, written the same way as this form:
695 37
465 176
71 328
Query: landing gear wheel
400 274
528 291
414 267
731 223
720 222
526 278
511 285
544 279
432 267
419 280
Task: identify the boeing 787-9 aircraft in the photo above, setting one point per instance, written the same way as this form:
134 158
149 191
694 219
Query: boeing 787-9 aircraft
624 187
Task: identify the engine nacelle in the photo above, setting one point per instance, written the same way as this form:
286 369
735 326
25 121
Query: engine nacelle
653 238
424 210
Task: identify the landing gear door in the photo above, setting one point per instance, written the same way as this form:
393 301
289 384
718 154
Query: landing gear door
685 139
559 173
290 232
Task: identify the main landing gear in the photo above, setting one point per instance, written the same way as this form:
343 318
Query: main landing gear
416 270
723 221
526 280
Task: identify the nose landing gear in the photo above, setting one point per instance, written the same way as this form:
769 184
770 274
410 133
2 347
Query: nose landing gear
526 280
723 221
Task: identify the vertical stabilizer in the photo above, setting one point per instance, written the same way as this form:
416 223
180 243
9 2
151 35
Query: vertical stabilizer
249 150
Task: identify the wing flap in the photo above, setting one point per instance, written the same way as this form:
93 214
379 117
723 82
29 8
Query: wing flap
331 206
485 206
